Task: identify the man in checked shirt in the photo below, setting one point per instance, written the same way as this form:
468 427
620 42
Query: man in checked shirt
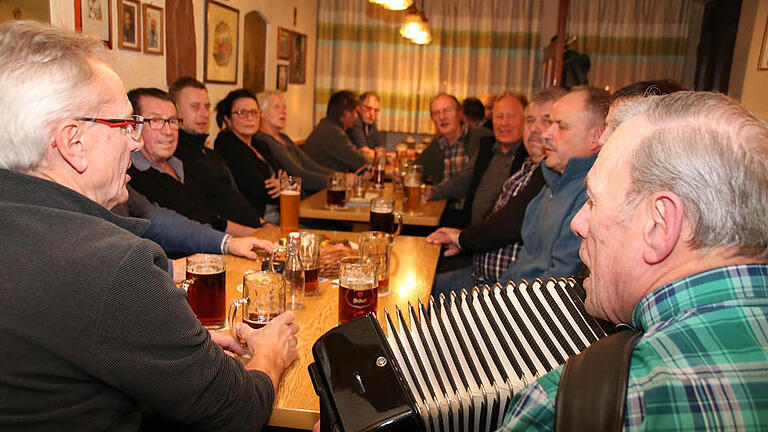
675 236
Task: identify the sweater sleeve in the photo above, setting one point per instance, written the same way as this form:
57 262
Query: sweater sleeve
342 149
311 180
166 359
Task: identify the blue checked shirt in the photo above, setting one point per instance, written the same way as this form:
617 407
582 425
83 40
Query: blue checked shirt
702 363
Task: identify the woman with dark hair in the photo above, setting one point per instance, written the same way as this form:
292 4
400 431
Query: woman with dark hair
255 169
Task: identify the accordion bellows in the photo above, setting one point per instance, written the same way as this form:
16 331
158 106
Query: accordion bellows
454 365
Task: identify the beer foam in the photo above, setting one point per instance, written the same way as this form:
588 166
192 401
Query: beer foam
412 183
289 192
206 269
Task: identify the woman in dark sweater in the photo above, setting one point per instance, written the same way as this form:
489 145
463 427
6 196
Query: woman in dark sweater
253 166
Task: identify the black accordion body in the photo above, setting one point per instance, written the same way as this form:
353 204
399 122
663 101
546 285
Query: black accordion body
451 366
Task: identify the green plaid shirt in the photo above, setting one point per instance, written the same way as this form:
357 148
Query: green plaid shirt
702 362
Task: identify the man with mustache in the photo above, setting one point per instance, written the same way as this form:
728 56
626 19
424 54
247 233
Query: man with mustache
494 240
572 141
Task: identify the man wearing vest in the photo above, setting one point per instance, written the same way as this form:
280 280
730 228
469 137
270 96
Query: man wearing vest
675 236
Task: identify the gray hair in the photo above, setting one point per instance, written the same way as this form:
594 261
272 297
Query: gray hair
45 77
263 98
549 94
713 154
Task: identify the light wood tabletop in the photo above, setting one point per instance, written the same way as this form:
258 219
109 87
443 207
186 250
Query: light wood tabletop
428 214
412 268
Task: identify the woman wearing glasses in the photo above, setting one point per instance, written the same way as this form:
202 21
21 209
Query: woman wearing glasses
255 169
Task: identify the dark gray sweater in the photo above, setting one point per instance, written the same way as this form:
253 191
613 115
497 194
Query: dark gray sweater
92 327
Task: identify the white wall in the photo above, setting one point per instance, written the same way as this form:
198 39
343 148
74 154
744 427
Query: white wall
144 70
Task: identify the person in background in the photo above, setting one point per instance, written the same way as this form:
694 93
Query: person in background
162 177
495 240
572 141
489 99
328 144
274 115
474 113
204 165
674 236
255 169
95 332
364 133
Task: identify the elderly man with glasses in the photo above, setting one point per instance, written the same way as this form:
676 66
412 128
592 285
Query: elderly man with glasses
94 332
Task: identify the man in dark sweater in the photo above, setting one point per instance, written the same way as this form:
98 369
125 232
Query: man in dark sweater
94 331
328 144
202 164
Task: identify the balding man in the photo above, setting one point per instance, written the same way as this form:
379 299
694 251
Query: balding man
94 331
675 238
572 141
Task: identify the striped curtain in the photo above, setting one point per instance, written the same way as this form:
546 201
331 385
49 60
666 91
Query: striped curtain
630 40
478 47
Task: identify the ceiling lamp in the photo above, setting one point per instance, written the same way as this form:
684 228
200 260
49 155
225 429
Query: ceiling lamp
416 27
393 4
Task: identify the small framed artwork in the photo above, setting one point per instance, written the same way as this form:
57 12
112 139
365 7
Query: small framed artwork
297 71
282 77
762 63
95 17
221 38
283 44
129 24
154 38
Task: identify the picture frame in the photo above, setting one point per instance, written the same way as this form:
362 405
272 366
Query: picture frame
297 72
762 63
154 29
95 17
129 25
221 43
282 77
284 39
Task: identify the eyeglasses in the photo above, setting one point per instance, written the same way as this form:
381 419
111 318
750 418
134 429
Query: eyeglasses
132 126
448 110
158 123
245 113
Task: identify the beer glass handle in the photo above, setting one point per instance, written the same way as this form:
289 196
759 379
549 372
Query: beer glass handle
399 223
186 283
232 315
272 260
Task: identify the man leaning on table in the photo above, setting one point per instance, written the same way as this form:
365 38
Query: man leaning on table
675 236
93 329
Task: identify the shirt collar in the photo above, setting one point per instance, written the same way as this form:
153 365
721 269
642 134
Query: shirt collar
142 164
712 288
443 141
576 168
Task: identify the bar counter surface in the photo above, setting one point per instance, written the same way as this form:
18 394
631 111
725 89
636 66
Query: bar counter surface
428 214
412 268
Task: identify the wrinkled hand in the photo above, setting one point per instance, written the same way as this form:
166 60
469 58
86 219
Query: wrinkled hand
272 185
446 236
272 347
230 346
246 246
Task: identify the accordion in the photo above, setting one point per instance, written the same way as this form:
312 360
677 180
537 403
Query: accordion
453 365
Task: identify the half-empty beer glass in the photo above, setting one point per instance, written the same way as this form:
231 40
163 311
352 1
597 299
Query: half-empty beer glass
263 299
375 245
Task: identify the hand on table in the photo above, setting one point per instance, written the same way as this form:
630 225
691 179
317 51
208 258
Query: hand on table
272 347
245 246
230 346
448 237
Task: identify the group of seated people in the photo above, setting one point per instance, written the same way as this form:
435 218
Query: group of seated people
662 198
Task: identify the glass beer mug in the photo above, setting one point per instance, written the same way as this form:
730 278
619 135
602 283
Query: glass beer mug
263 299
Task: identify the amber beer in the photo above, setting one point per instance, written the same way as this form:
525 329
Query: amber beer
263 300
358 288
412 196
206 292
311 281
289 211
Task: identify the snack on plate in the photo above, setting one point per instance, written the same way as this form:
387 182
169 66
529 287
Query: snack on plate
331 253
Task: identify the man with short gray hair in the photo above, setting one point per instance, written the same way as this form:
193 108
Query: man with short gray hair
94 331
675 236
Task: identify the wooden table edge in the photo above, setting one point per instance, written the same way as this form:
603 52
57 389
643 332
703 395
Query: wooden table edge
293 418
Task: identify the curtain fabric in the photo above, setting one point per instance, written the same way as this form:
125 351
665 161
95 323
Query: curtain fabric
630 40
478 47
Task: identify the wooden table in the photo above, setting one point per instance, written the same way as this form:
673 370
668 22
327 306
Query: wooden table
412 268
429 213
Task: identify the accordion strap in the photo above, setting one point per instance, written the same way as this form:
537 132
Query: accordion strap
593 387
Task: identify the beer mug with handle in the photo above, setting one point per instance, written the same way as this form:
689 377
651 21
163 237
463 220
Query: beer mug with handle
263 299
206 288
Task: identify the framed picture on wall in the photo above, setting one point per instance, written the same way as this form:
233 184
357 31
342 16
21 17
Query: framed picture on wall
95 17
297 71
154 40
221 37
762 63
282 77
283 44
129 24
